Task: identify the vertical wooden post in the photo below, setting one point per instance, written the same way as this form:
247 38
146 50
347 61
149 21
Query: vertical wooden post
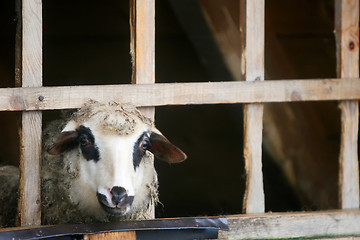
252 66
347 52
142 44
30 132
142 49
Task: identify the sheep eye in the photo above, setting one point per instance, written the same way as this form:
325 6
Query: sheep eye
85 141
145 144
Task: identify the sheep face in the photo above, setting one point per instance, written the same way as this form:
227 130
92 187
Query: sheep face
115 165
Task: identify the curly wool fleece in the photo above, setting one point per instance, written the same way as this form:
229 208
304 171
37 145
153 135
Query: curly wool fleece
60 172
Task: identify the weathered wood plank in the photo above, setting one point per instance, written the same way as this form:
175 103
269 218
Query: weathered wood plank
347 46
142 45
349 166
30 133
143 17
254 193
320 224
127 235
30 198
49 98
252 63
253 54
293 225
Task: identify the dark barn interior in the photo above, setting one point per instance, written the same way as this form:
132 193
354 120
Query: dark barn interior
87 42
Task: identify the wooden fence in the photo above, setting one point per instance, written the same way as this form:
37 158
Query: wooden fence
31 98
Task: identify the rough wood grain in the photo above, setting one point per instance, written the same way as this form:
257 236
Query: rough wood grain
349 166
293 225
128 235
347 43
252 63
48 98
30 148
254 194
30 133
142 45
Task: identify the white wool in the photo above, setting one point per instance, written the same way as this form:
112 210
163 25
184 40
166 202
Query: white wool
70 182
69 178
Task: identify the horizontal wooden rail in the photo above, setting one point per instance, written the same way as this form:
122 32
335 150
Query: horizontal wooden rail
48 98
293 225
298 225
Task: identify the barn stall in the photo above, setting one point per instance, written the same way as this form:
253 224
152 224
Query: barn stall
304 132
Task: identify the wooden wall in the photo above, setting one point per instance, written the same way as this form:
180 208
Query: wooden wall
84 48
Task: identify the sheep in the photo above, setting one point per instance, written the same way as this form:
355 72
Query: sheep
9 184
98 166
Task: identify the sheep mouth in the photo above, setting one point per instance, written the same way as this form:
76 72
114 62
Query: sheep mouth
116 210
121 208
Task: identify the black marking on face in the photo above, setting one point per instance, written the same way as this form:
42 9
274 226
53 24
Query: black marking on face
140 147
87 144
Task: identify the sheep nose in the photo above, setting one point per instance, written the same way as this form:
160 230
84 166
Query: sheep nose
118 194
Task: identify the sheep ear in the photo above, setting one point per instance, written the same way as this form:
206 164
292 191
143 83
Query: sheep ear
165 150
64 141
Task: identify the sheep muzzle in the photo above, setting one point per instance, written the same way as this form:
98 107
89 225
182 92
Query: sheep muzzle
120 201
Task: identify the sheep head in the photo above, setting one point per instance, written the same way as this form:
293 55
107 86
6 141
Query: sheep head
114 144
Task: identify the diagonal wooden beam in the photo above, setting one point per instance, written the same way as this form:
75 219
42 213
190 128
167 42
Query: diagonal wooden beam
194 21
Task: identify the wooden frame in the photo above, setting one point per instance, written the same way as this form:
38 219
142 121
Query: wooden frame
30 132
161 94
329 224
253 52
31 98
347 50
